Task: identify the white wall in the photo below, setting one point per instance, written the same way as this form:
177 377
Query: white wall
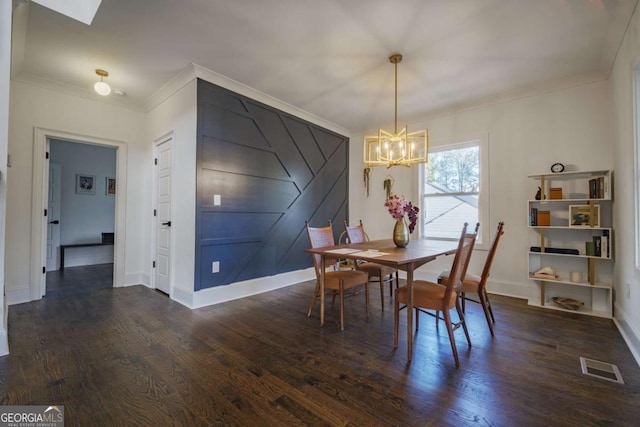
32 107
5 65
177 114
83 218
626 304
526 136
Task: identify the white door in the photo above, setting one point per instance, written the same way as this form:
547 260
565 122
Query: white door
53 216
163 218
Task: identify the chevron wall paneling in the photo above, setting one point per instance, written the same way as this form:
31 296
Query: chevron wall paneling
260 174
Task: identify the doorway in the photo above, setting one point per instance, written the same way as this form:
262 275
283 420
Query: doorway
81 217
40 202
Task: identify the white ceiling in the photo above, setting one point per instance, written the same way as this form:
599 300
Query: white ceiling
329 57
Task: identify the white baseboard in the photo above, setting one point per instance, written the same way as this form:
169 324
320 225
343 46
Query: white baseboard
17 295
4 342
512 289
131 279
81 260
4 338
629 332
247 288
183 296
498 287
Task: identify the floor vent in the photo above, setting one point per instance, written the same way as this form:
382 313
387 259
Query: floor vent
602 370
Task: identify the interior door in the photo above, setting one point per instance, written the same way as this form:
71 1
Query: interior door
53 216
163 218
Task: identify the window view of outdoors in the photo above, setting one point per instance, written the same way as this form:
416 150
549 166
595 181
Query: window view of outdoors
451 190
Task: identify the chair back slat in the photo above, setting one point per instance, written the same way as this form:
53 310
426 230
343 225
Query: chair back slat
320 237
492 252
460 261
356 233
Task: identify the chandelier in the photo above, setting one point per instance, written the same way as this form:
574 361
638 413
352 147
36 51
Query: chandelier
398 148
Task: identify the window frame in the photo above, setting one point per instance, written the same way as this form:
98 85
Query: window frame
636 161
482 142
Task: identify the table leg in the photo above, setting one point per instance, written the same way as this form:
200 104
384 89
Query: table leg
62 257
322 258
409 313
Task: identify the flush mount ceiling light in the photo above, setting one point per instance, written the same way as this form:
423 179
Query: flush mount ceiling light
397 148
102 87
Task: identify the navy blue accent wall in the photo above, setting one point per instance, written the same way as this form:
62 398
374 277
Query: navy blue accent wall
272 171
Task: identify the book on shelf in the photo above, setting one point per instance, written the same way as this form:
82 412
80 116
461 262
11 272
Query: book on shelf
606 244
533 220
563 251
545 273
545 276
604 252
593 186
597 246
598 188
601 187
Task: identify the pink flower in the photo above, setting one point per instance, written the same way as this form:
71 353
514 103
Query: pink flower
398 207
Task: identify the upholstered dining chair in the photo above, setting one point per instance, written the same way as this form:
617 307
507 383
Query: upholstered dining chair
335 280
377 272
441 297
473 284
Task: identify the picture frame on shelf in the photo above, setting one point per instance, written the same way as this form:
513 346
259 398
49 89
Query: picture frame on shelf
85 184
584 216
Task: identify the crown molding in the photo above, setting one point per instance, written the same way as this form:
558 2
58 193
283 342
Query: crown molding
193 71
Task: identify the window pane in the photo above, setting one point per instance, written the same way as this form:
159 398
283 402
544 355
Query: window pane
453 171
444 216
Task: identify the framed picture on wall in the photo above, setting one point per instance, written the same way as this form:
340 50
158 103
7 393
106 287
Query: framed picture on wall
85 184
110 187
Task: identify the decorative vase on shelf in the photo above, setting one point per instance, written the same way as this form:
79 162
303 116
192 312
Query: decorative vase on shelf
401 234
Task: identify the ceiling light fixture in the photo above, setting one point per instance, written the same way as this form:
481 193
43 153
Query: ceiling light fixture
397 148
102 87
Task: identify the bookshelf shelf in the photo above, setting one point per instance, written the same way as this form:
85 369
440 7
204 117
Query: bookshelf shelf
576 226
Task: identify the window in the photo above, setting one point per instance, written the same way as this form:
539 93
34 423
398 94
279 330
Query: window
453 187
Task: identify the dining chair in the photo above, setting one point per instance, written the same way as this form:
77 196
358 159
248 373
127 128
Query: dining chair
441 297
335 280
478 284
383 274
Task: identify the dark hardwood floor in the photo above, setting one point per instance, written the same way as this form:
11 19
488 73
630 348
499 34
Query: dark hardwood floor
131 356
78 280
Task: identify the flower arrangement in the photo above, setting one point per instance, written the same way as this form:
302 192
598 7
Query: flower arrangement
398 207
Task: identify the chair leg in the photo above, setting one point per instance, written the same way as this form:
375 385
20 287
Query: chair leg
462 321
486 307
396 321
313 299
462 297
381 292
391 284
486 298
447 319
341 306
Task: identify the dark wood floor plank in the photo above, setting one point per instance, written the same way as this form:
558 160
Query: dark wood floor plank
131 356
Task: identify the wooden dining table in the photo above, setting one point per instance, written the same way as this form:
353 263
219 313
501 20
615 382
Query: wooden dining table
385 252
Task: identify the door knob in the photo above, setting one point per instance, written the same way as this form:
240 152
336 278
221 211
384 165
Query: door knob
168 223
54 222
